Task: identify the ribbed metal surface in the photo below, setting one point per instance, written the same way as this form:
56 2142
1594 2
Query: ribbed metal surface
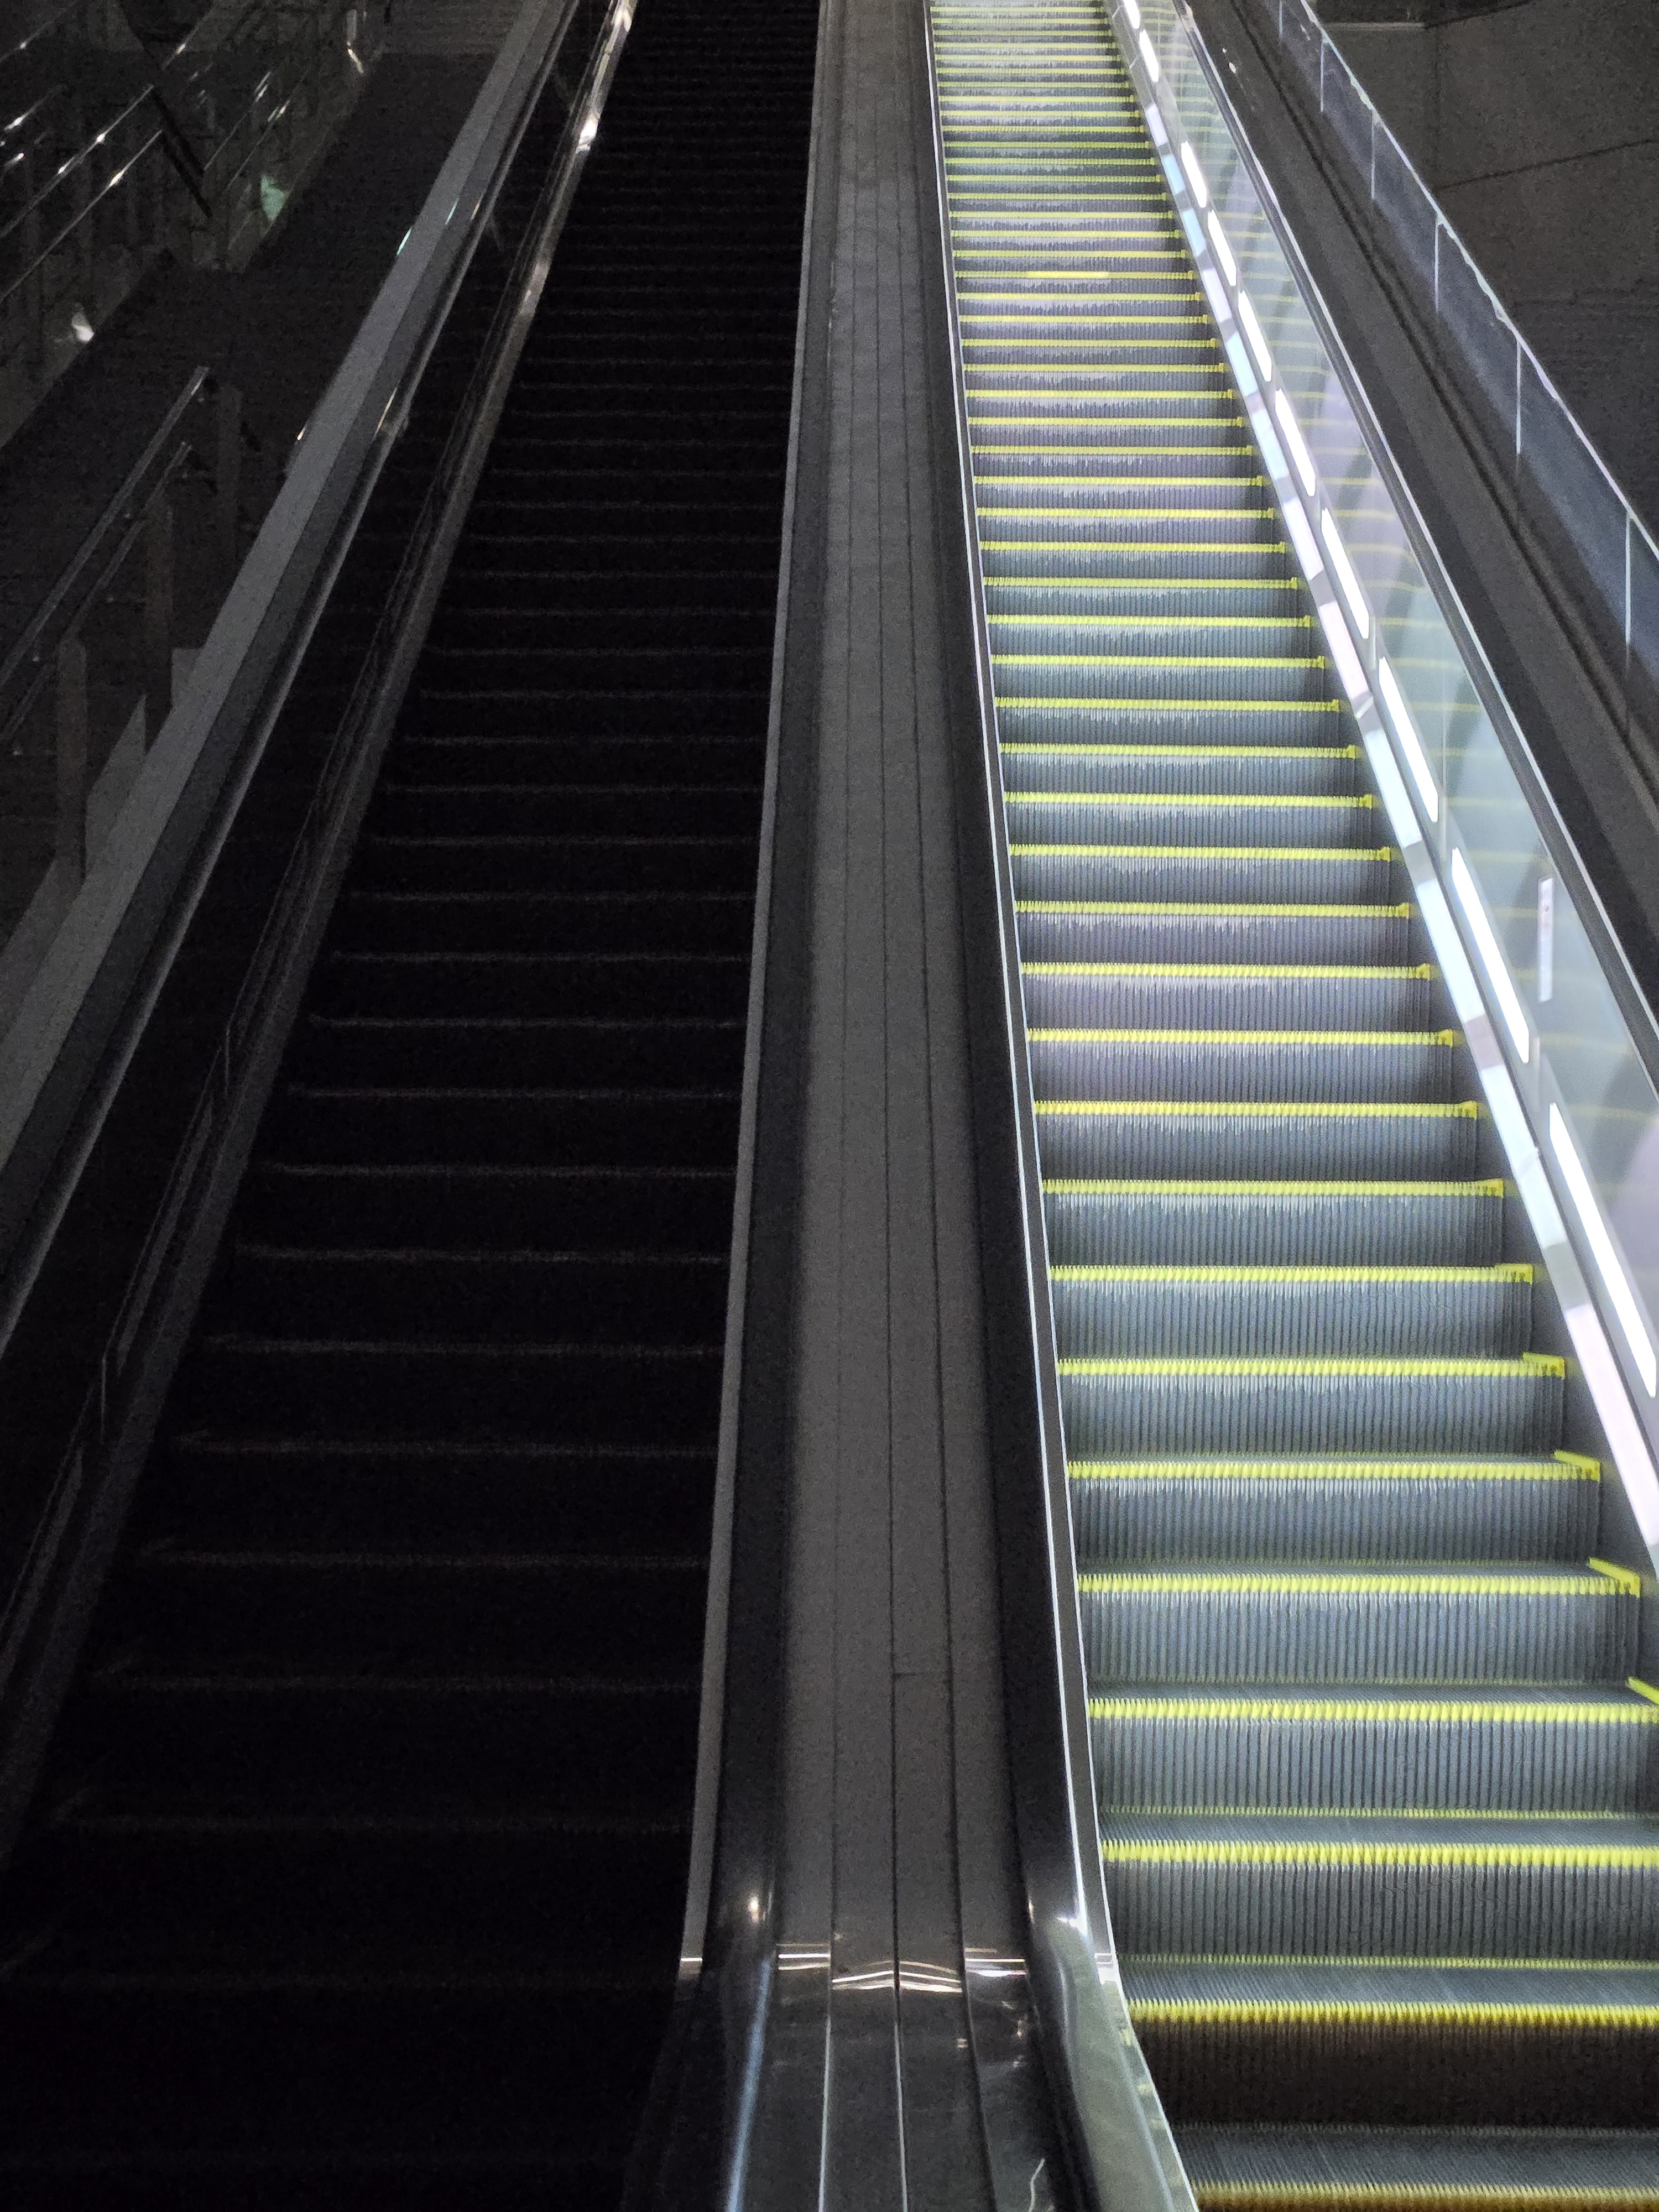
1359 1706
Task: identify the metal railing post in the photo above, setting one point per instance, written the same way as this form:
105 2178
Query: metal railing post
158 616
72 721
228 476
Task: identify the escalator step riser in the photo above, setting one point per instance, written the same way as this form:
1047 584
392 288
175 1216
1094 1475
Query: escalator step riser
506 1128
1334 1509
1141 1315
291 1749
1201 556
1340 1633
520 1054
519 1297
1276 1225
1299 823
478 810
1175 876
1269 1144
454 2064
1385 1067
1233 1000
1313 771
628 1619
1339 937
621 1395
1397 1901
1370 1758
451 981
165 1896
1436 2064
1235 1408
614 1209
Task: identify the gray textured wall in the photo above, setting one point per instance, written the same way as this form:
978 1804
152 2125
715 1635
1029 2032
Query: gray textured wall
1538 129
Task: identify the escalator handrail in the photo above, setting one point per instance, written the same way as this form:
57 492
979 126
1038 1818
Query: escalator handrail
1628 634
211 738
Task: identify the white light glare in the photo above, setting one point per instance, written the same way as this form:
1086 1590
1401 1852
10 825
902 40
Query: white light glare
1264 359
1491 955
1149 57
1134 14
1296 442
1344 575
1194 174
1600 1243
1410 743
1155 124
1348 666
1302 536
590 131
81 326
1224 253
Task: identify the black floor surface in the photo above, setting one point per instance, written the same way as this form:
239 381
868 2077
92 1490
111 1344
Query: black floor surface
357 1873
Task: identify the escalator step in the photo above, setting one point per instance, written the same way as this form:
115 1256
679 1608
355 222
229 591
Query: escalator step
1335 1509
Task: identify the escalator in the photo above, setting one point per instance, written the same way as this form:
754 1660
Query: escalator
357 1868
1374 1777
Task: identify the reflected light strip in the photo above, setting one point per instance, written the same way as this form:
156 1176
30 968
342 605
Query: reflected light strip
1348 664
1491 955
1344 575
1194 174
1294 439
1302 536
1617 1282
1131 10
1224 253
1149 57
1252 331
1410 743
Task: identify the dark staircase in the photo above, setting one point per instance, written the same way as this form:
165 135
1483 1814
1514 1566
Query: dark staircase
357 1870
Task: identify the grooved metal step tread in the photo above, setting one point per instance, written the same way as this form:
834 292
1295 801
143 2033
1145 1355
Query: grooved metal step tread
1267 2169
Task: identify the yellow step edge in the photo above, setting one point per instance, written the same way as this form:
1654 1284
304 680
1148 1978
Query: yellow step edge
1270 1584
1448 2195
1380 1711
1329 855
1627 1857
1505 1271
1467 1109
1379 1039
1313 1368
1223 972
1019 749
1219 910
1144 708
1146 1187
1560 1467
1410 2011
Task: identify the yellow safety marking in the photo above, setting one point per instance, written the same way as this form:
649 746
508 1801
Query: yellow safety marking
1311 1369
1409 2012
1379 1712
1128 704
1400 1040
1462 1110
1236 1852
1507 1271
1560 1467
1216 908
1427 2195
1642 1689
1622 1577
1144 1187
1221 972
1347 1582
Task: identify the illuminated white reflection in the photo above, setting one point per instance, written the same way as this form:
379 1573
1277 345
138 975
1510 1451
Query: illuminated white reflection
1343 569
1491 955
1194 174
1410 743
1224 253
1608 1264
1296 443
1252 331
